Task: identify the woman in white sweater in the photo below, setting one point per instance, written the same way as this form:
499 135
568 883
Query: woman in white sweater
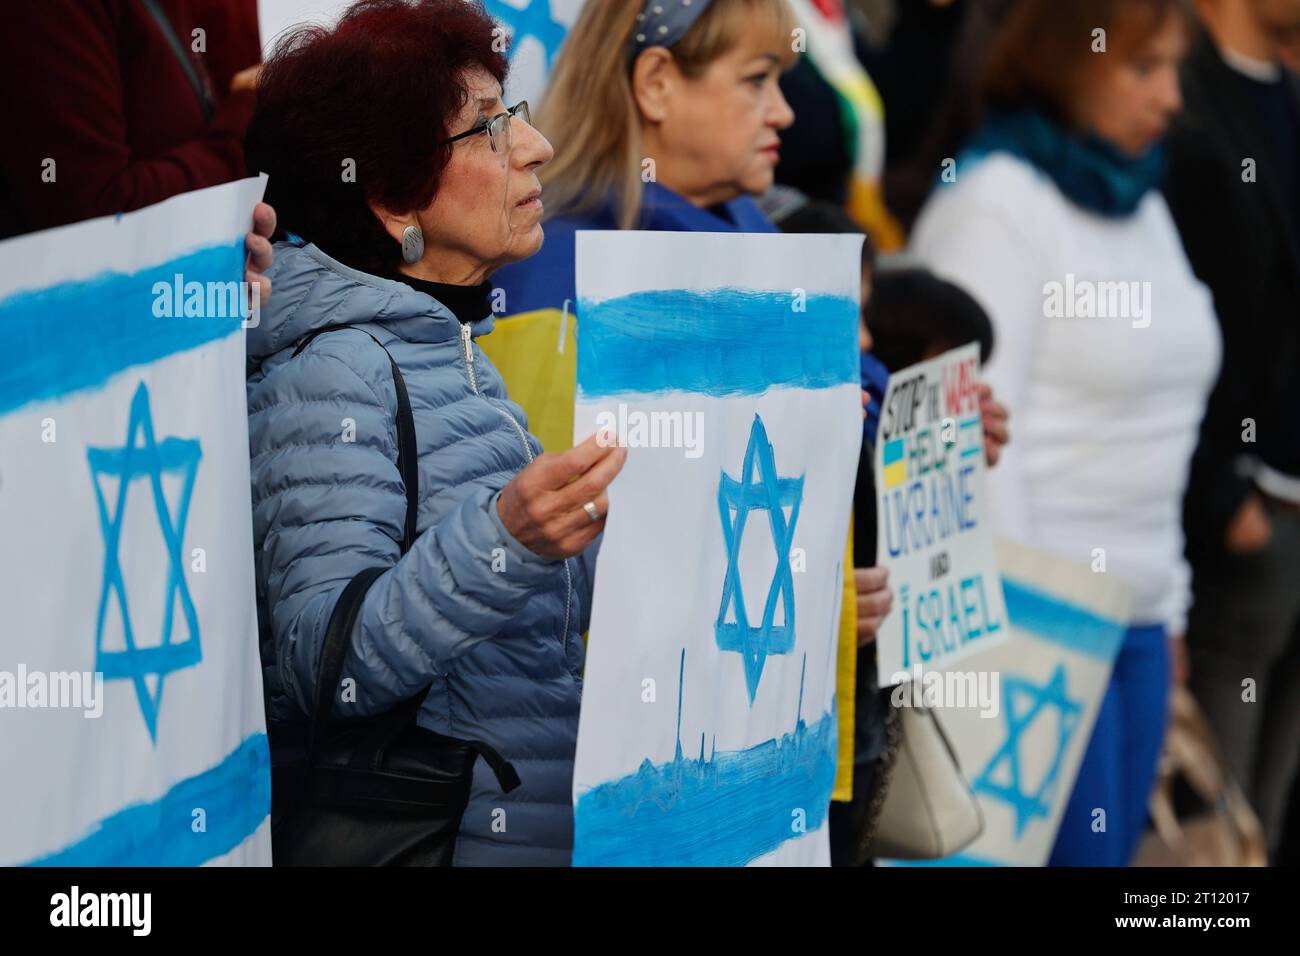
1106 344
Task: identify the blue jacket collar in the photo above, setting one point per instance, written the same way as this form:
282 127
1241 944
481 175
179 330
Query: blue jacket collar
311 290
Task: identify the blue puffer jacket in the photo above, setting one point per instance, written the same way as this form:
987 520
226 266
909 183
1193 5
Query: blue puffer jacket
493 626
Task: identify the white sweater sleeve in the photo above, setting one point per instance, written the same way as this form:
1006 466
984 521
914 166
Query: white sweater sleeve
986 253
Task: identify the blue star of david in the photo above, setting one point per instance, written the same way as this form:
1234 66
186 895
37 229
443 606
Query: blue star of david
146 459
534 20
1024 702
772 494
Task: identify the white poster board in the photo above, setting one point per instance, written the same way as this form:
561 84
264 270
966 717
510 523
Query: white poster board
933 530
1021 748
728 365
131 716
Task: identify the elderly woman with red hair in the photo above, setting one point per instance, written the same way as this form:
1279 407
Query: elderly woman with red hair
402 181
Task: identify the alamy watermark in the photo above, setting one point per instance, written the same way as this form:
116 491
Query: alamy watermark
948 689
1085 299
208 300
657 429
81 690
133 911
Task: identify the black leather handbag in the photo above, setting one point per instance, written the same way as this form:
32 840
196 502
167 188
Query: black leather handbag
376 791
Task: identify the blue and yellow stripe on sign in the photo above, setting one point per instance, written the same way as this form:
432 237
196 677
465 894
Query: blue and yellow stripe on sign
895 460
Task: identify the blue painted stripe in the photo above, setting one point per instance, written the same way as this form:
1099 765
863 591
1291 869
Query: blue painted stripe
748 802
1051 619
235 796
76 335
718 342
724 809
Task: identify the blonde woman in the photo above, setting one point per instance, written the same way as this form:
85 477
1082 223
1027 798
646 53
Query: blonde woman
660 120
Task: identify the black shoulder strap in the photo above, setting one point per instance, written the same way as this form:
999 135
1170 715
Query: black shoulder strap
338 633
333 649
407 456
186 64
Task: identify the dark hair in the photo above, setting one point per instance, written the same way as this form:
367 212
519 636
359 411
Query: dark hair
818 216
378 89
913 311
1041 56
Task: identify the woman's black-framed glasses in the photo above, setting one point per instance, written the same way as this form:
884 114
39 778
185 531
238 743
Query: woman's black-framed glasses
498 127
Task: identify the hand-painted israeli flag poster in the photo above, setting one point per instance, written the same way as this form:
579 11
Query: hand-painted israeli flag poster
529 32
1019 715
727 364
535 30
131 719
933 532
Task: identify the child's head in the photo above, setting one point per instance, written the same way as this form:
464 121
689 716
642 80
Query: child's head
914 315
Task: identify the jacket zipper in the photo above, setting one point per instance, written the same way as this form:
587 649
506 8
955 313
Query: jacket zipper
466 341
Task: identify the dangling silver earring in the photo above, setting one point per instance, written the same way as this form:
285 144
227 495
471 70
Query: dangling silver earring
412 244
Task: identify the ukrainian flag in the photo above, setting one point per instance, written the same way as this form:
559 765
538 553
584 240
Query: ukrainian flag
895 459
536 354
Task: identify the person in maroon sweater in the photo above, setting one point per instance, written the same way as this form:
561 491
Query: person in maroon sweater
102 115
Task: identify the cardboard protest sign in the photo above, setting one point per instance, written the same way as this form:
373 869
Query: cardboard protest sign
530 33
131 717
933 531
1020 747
728 366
